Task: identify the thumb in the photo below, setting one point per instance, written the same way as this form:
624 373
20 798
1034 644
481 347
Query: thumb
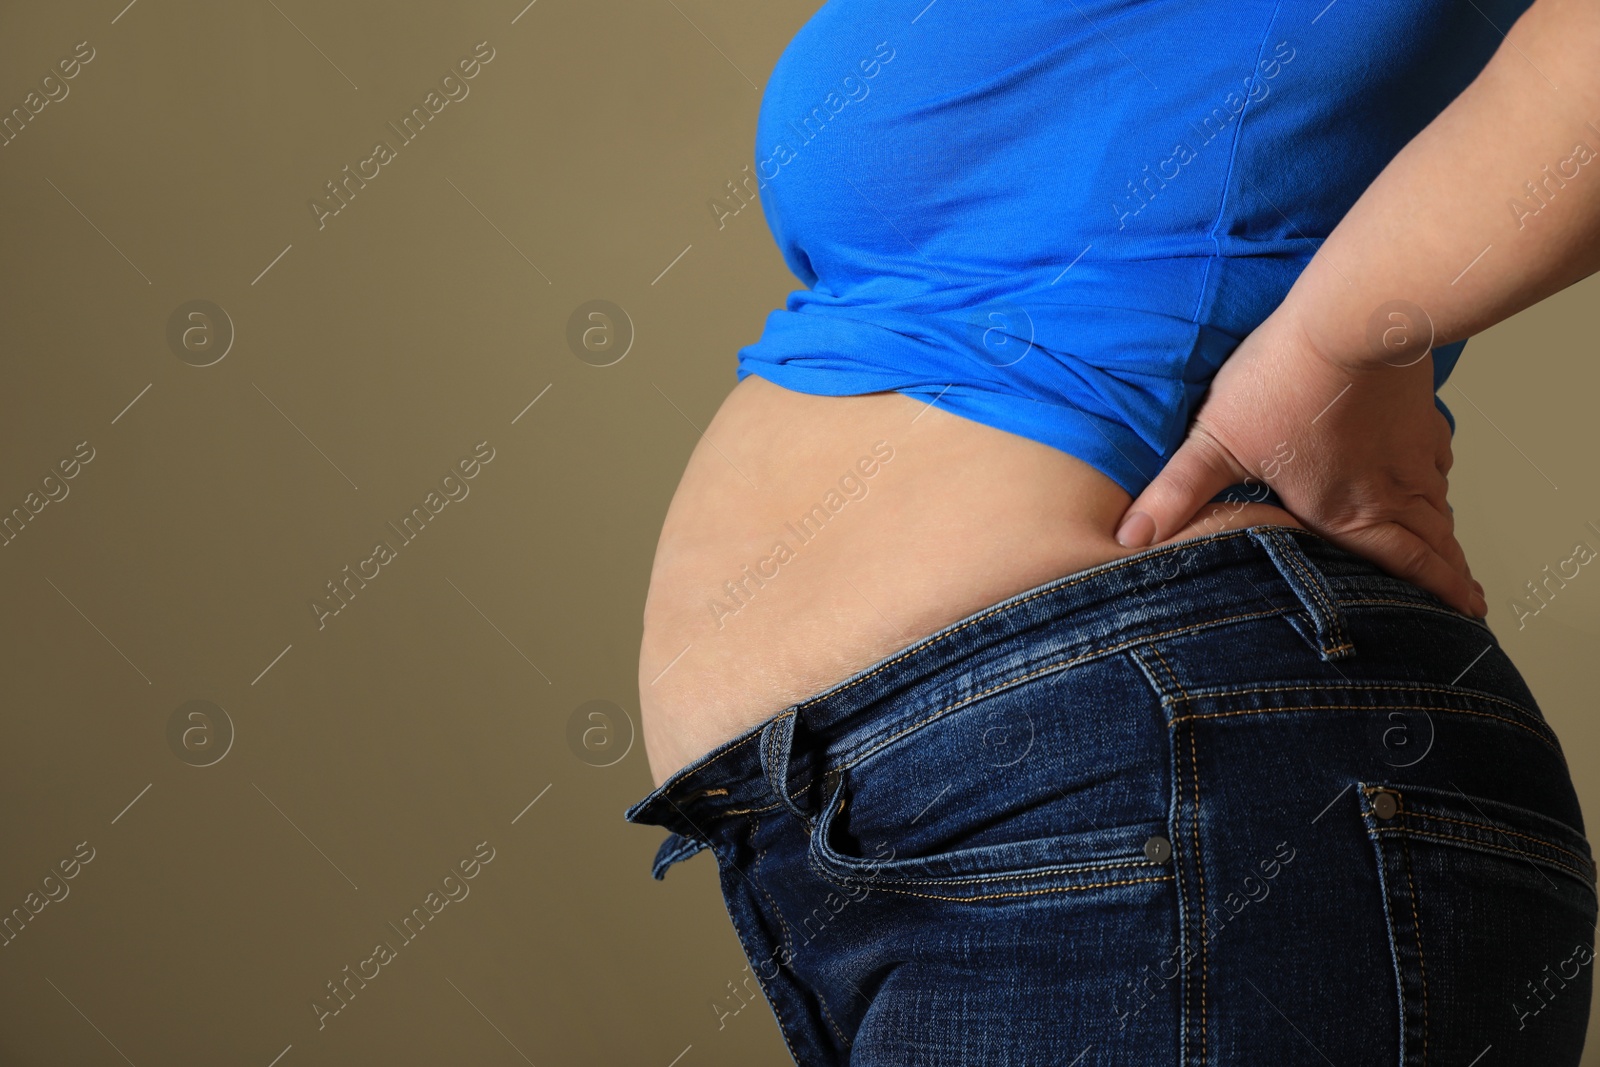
1200 469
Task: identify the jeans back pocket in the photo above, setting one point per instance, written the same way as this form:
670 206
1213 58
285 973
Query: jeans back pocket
1490 910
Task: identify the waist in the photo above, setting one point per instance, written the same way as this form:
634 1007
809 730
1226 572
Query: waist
811 536
1158 596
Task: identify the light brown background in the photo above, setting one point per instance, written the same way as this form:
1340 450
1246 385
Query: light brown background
426 716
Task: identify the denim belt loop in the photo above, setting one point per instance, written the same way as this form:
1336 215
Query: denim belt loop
673 850
777 742
1330 636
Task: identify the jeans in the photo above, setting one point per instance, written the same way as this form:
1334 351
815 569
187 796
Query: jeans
1244 800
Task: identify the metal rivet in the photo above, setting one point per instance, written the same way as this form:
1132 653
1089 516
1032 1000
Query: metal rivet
1158 849
1385 805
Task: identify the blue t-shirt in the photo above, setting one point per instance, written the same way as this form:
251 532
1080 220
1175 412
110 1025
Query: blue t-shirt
1059 219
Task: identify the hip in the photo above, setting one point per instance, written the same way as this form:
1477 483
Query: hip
1205 804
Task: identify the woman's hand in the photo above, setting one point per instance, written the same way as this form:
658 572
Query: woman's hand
1357 452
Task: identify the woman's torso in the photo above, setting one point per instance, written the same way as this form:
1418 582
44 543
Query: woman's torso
953 517
1054 221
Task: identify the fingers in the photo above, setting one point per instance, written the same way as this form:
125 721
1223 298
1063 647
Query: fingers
1405 555
1198 471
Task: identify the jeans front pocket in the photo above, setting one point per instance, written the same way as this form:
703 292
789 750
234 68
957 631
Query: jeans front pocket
1055 784
1491 910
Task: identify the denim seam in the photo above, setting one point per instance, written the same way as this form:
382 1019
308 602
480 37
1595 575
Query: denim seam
1184 693
1386 893
1297 560
1362 707
1416 928
772 1001
1184 883
1053 587
1003 876
1441 836
1424 813
1420 605
1056 665
1199 866
752 811
1194 826
823 1004
1374 687
755 870
1029 892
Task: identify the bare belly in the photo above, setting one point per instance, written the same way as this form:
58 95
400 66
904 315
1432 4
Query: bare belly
811 537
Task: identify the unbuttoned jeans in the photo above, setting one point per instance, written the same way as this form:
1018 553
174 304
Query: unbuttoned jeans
1244 800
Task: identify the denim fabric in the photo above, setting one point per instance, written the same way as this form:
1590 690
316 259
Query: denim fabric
1239 801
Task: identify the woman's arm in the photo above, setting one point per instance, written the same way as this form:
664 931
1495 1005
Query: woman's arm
1494 206
1491 208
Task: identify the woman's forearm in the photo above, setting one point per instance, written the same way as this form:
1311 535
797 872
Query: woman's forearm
1494 206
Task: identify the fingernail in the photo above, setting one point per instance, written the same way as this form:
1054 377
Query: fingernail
1480 605
1137 531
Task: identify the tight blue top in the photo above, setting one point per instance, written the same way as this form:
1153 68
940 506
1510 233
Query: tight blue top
1059 218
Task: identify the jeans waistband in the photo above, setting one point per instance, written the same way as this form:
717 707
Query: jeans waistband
1234 575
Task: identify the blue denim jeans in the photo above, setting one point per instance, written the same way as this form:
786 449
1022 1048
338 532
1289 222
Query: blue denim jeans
1241 801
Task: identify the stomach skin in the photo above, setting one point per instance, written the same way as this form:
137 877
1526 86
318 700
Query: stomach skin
813 536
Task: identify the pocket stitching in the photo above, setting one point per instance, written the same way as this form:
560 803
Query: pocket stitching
1437 835
1029 892
1365 707
1378 687
839 868
1582 859
1423 805
1416 928
1424 808
1039 872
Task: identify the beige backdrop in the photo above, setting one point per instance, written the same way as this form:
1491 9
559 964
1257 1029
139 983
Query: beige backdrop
242 851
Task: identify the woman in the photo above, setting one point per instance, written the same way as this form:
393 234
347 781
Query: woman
999 769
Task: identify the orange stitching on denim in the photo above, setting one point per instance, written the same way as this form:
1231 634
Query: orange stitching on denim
772 1001
1058 664
1360 707
749 811
1319 587
1419 603
1441 836
823 1004
755 870
713 792
1194 773
1095 572
1194 833
1185 888
1170 673
1294 558
1012 876
1416 926
1582 859
1366 686
1028 892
